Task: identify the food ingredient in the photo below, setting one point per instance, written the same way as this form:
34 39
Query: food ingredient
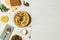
3 8
24 31
4 19
16 37
21 19
13 4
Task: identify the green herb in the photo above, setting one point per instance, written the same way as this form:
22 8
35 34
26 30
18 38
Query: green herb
3 8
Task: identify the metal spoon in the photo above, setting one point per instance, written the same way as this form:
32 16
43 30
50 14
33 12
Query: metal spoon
8 30
30 32
26 3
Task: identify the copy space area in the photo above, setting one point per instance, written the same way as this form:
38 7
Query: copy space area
46 19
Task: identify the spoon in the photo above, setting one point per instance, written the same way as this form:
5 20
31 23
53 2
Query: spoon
30 32
26 3
8 30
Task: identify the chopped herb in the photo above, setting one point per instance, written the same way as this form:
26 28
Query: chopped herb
3 8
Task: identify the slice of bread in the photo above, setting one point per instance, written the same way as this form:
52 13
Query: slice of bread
13 3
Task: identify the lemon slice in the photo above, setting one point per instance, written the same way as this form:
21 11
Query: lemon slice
4 19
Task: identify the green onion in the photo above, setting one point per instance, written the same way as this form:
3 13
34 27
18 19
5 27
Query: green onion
3 8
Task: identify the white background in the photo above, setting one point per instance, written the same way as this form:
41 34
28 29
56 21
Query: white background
46 19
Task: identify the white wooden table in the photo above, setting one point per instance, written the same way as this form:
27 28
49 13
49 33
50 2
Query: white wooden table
46 19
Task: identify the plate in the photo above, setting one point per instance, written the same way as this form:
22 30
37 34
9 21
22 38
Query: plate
22 19
16 37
